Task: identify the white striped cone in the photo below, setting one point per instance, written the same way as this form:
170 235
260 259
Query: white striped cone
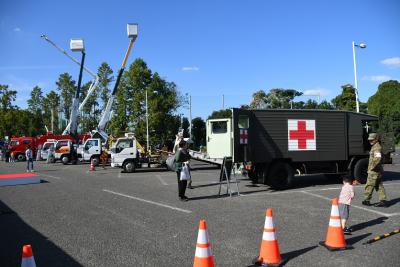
203 256
269 252
27 257
335 237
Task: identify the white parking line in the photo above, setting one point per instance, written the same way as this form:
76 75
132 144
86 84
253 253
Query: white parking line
354 206
148 201
161 179
51 176
119 175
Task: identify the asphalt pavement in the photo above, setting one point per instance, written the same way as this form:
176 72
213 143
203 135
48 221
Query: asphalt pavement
76 217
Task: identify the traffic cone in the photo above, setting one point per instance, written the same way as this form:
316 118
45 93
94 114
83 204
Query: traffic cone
203 256
269 252
27 257
92 168
335 236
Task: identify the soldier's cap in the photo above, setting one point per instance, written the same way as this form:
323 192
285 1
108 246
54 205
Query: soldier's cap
372 136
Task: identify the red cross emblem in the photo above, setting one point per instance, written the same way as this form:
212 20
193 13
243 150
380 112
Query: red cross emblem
243 137
301 135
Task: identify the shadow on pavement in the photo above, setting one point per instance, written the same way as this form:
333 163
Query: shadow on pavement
391 176
15 233
356 239
289 256
392 201
363 225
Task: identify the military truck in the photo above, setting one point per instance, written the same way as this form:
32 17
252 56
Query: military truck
276 144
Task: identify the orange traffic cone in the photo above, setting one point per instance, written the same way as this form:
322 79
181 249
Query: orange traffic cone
27 257
203 256
92 168
269 252
335 236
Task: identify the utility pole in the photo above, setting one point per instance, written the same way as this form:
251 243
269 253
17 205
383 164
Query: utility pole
190 117
223 100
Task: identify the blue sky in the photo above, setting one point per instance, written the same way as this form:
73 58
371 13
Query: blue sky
208 48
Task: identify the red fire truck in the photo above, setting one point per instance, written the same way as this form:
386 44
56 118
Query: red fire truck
18 145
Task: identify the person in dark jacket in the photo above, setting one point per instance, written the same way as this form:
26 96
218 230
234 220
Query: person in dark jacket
182 157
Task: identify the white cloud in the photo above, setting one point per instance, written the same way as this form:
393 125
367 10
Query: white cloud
393 61
193 68
316 92
17 29
378 78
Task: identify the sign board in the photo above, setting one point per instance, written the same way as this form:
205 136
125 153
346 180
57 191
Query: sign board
301 135
244 136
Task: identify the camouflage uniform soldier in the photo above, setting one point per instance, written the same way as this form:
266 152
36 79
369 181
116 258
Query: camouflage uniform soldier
375 171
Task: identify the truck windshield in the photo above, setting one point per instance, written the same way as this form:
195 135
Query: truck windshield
219 127
14 143
47 146
243 122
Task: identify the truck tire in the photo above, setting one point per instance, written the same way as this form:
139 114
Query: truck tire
129 166
96 160
65 159
280 175
361 170
20 157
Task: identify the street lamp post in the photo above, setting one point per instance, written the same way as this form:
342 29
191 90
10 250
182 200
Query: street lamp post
361 45
147 121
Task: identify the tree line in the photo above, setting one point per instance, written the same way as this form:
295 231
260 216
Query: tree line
52 110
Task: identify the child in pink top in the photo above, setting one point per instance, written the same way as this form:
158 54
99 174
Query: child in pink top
345 197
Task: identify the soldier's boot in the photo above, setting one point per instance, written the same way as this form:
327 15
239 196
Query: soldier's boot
366 203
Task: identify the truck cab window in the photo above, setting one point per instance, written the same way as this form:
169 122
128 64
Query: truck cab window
243 122
218 127
26 142
124 143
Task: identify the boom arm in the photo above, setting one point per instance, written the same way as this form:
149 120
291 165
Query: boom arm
105 117
75 110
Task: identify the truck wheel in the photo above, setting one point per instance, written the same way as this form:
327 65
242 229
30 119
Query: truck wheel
280 175
129 166
252 176
65 160
361 170
20 157
96 161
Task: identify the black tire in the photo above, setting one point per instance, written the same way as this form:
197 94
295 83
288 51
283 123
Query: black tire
361 170
20 157
252 176
65 160
129 166
280 175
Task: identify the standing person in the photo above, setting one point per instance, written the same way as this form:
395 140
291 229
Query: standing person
12 158
104 158
345 197
29 159
375 171
182 157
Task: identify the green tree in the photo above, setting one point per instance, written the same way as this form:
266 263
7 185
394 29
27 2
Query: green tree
198 132
35 107
105 78
258 100
346 100
325 105
280 98
67 89
220 114
6 97
129 108
386 105
51 104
